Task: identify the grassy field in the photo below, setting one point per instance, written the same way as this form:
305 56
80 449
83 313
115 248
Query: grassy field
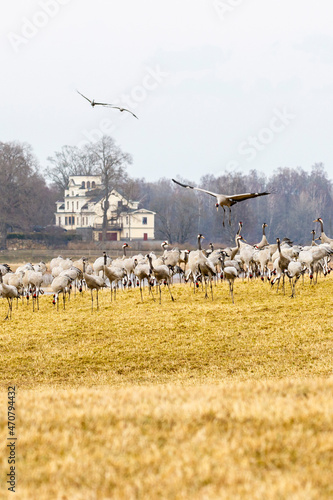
188 399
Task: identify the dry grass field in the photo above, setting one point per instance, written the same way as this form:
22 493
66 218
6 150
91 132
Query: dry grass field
188 399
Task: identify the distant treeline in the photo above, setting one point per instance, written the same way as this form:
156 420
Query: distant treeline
297 197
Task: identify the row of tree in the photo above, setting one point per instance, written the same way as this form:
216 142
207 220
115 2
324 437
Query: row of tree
25 199
297 197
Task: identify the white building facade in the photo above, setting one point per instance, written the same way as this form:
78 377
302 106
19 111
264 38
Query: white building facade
82 209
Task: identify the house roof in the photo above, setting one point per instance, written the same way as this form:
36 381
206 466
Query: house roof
143 211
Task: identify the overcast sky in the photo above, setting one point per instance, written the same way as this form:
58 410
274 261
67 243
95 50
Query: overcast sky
217 84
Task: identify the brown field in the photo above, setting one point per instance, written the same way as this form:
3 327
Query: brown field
191 399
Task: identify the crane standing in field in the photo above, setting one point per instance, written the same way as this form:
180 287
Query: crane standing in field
263 242
294 272
114 275
207 271
60 284
161 273
323 237
93 283
14 280
9 292
280 264
230 271
143 272
223 200
32 282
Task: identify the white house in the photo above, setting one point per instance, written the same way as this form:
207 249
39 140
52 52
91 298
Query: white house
82 209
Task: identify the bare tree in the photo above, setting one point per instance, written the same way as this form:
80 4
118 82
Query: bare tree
22 191
69 161
110 162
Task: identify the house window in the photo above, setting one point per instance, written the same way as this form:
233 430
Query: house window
127 219
88 184
66 221
59 219
93 184
144 220
72 193
83 184
72 206
68 205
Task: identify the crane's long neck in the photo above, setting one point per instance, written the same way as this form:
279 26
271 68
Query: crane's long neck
263 230
322 225
234 251
313 238
279 246
124 251
199 243
240 224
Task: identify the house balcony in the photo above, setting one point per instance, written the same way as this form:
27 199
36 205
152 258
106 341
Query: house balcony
109 227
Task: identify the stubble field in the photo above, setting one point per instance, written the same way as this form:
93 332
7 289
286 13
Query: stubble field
188 399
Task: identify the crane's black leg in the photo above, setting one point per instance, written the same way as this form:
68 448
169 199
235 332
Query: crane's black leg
151 290
170 293
206 286
8 309
232 292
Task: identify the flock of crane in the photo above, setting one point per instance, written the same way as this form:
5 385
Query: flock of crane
263 260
